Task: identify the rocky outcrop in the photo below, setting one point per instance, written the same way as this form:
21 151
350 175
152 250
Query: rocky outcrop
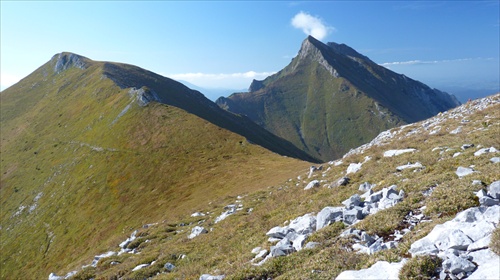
293 237
463 242
64 61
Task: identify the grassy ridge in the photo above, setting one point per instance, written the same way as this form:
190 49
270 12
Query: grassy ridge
226 249
98 175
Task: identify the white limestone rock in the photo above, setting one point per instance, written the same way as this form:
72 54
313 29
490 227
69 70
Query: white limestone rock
353 168
380 270
488 265
312 184
392 153
304 225
485 151
212 277
328 215
410 166
197 230
464 171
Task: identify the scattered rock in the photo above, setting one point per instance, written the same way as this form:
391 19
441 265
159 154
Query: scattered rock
392 153
256 250
141 266
311 245
169 267
485 151
456 131
341 182
313 169
278 232
197 214
464 171
353 168
197 230
231 209
466 146
98 257
212 277
304 225
494 190
365 187
327 216
354 200
312 184
409 166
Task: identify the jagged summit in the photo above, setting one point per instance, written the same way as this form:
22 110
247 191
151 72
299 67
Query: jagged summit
330 98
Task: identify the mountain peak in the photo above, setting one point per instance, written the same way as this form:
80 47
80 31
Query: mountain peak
66 60
317 51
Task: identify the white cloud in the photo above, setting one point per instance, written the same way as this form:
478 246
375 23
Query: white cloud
311 25
6 80
413 62
237 80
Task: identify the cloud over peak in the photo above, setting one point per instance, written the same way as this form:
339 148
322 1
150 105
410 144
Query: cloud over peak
311 25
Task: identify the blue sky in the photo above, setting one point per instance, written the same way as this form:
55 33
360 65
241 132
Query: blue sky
449 44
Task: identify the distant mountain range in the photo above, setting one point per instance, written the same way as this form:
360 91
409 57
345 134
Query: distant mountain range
331 98
210 93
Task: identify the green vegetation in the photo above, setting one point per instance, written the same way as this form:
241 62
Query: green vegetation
97 176
327 112
420 268
96 183
495 241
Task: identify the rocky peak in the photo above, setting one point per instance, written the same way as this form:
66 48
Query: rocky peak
256 85
315 50
67 60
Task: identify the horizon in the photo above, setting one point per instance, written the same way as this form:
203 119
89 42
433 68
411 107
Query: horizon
446 45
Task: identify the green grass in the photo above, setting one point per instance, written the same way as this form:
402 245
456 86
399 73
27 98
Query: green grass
160 164
420 268
100 179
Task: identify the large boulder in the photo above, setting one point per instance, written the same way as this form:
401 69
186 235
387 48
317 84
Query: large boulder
278 232
328 215
494 190
354 200
351 216
487 262
304 225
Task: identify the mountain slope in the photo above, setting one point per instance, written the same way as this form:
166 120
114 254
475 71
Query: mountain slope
330 99
83 160
431 194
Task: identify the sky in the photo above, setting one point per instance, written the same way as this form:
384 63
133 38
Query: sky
449 45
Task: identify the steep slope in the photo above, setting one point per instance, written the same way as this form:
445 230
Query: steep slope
83 160
429 194
330 99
